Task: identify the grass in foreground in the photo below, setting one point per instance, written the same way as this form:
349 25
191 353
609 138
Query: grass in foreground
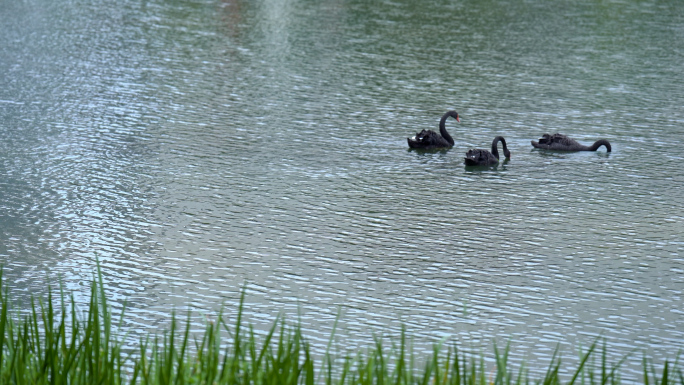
61 346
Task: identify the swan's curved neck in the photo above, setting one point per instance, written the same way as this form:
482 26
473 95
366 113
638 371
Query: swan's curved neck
600 143
442 129
495 151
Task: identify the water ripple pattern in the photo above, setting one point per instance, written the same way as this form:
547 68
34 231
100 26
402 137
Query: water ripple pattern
195 147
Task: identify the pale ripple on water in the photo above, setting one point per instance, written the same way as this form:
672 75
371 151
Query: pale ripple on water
195 148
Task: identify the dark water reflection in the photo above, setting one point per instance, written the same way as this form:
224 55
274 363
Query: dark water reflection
196 146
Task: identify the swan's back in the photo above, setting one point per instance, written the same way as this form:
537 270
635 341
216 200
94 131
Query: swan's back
558 142
428 139
480 157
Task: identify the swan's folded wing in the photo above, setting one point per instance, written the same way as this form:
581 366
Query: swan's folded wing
430 137
476 155
562 140
545 139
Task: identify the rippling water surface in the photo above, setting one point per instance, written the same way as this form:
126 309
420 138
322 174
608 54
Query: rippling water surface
195 146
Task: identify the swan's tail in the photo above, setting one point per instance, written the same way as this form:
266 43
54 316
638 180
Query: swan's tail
413 142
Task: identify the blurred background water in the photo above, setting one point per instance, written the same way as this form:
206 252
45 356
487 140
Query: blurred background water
194 147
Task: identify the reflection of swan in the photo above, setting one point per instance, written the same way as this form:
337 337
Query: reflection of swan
560 142
480 157
428 139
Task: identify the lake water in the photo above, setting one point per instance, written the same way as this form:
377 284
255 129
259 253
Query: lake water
198 146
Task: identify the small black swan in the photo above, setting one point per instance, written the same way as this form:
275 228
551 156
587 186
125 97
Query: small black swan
428 139
560 142
479 157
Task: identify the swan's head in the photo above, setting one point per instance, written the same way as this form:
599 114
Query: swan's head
507 153
454 115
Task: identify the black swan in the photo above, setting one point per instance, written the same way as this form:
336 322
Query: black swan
479 157
428 139
560 142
